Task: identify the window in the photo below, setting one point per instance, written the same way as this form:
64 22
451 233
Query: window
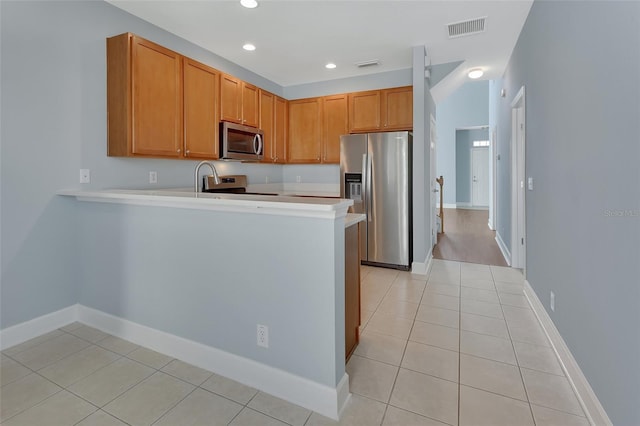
480 144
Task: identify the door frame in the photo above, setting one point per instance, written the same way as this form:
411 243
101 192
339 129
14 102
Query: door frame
433 189
493 164
518 190
475 149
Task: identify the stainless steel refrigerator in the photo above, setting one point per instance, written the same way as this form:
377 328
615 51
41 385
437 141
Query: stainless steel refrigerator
375 171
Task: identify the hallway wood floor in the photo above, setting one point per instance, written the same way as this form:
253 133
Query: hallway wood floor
467 238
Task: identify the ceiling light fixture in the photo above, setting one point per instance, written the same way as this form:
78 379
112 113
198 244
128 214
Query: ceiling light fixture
475 73
249 4
250 47
330 65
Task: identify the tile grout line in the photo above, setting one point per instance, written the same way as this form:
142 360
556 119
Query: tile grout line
513 347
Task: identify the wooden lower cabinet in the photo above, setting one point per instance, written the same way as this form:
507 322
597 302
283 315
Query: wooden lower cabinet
351 289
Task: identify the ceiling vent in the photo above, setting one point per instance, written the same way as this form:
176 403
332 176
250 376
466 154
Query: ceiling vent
464 28
370 63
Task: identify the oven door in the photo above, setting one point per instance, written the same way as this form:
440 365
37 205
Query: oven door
240 142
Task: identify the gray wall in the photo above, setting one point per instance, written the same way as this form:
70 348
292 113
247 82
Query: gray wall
191 273
580 65
54 123
466 107
464 144
381 80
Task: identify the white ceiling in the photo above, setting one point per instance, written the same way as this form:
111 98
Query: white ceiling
295 39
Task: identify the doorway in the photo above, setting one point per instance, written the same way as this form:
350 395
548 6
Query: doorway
467 236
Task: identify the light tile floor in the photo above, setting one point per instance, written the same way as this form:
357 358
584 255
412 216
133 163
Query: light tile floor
459 348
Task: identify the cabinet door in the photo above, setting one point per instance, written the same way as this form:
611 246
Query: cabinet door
397 106
364 111
305 130
200 110
250 105
156 99
335 124
230 99
267 125
281 124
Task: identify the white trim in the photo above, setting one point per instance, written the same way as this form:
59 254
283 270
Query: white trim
518 250
586 396
493 203
317 397
503 248
463 205
22 332
314 396
418 268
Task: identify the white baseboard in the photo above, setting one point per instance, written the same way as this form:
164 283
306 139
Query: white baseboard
586 396
317 397
420 268
22 332
503 248
322 399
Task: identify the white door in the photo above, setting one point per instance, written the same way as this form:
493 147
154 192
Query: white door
434 185
480 177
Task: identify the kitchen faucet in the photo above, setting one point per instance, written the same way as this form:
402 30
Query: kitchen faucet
216 178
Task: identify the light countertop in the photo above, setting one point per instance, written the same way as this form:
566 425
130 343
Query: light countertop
306 206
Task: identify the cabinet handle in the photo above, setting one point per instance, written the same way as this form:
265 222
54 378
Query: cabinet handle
187 152
178 151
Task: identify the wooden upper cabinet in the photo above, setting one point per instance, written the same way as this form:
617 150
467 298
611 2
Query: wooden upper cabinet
364 111
305 130
230 99
281 128
397 108
201 116
250 105
335 124
381 110
267 121
239 101
144 98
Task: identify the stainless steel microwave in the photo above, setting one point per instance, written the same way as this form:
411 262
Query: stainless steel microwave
238 142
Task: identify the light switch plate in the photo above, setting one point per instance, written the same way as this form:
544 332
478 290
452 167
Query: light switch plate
530 183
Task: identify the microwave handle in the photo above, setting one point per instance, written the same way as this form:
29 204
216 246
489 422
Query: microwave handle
258 138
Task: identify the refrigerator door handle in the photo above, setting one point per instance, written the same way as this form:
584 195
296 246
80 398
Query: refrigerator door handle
369 187
365 196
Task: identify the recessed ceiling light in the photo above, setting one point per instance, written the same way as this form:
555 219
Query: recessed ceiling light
475 73
330 65
249 4
249 47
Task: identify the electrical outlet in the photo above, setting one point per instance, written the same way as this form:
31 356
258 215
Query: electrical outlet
85 176
298 179
552 301
153 177
263 336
